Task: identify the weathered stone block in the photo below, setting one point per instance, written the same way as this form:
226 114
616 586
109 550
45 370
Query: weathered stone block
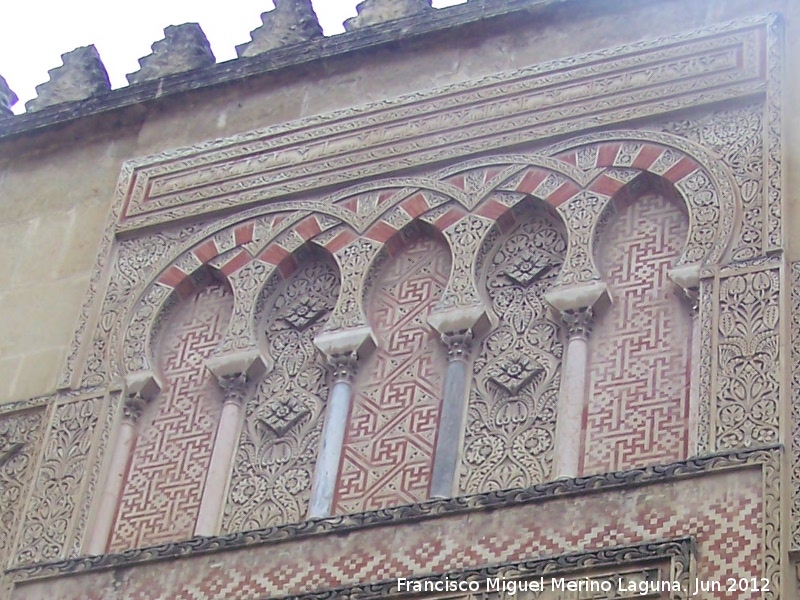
292 22
373 12
7 98
184 48
81 76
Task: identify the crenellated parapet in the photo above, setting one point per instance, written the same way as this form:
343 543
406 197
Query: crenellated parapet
292 22
7 98
374 12
184 48
81 76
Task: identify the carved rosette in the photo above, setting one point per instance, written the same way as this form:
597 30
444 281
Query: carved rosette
273 468
512 407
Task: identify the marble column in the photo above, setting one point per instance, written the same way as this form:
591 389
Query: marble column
141 389
450 436
344 349
577 306
221 463
337 411
688 279
458 327
234 372
572 395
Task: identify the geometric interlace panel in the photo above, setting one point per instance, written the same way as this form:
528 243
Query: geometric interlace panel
168 466
638 392
388 448
516 374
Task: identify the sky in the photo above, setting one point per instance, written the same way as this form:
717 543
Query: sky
35 33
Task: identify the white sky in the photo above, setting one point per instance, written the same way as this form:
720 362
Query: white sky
34 33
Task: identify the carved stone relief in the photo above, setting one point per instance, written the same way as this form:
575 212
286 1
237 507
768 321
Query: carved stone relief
466 236
516 374
388 447
165 481
737 136
20 440
638 388
353 261
747 360
795 410
271 481
55 516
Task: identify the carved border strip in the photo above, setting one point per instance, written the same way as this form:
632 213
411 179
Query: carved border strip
794 428
768 458
303 145
681 552
775 226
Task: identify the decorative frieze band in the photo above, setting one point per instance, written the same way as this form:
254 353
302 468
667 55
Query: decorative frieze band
715 64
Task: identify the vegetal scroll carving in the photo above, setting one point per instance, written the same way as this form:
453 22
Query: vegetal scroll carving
747 360
512 407
271 481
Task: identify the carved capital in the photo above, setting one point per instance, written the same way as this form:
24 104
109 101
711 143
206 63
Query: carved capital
474 319
248 363
458 343
688 279
141 388
578 322
576 297
354 340
235 386
343 366
133 407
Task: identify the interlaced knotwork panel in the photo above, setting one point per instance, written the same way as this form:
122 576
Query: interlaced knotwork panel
638 391
165 482
271 481
516 374
388 448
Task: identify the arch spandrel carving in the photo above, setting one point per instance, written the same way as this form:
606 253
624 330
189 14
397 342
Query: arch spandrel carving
707 187
274 464
516 371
